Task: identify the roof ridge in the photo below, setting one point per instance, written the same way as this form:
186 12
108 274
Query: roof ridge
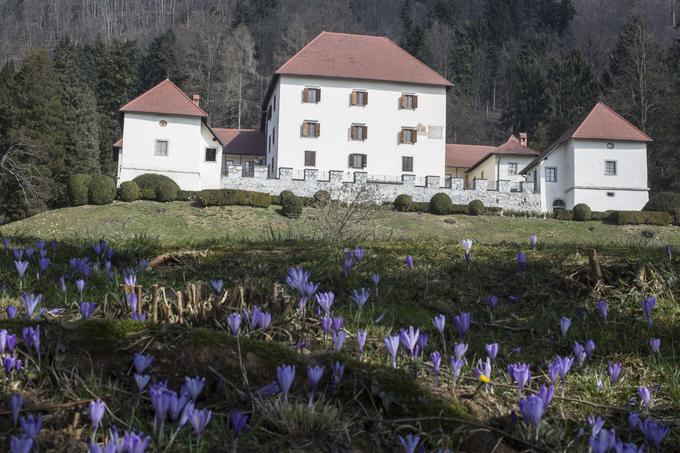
582 122
417 59
299 52
621 117
157 87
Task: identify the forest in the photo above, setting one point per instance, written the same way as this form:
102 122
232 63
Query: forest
517 65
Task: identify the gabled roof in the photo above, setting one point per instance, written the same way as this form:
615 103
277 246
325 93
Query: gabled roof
164 98
471 156
360 57
600 123
247 142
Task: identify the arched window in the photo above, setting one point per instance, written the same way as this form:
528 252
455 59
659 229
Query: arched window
558 205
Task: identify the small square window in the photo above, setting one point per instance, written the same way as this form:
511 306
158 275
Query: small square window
407 163
550 174
357 161
409 101
359 98
211 154
161 148
359 132
610 168
512 168
311 129
311 95
310 158
611 194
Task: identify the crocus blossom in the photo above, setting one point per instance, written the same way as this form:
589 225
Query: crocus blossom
614 371
410 443
285 374
361 339
392 345
96 411
601 305
565 323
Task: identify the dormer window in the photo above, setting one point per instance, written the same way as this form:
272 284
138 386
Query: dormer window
359 98
409 101
311 95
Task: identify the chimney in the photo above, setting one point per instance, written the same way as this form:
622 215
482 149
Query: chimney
523 138
197 99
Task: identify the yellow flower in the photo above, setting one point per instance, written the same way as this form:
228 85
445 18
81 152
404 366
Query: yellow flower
484 378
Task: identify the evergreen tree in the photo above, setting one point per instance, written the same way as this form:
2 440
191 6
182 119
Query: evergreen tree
80 121
160 62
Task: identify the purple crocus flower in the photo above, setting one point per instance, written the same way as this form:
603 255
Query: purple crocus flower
361 297
16 402
492 301
18 253
669 253
654 344
264 319
565 323
134 443
532 410
86 309
31 426
142 380
483 370
603 442
199 419
3 341
462 323
217 285
285 374
436 358
601 305
130 278
194 386
392 345
138 316
492 351
409 338
361 339
439 322
308 289
645 395
456 367
520 373
30 301
237 421
579 351
634 420
314 374
654 432
337 372
521 261
22 444
29 251
421 344
596 424
11 342
43 264
409 262
8 364
564 365
614 371
534 241
142 362
234 322
252 318
546 395
31 337
6 243
359 253
459 350
648 305
326 323
11 311
80 286
325 300
375 278
589 348
297 277
347 265
338 322
410 443
96 412
338 340
21 267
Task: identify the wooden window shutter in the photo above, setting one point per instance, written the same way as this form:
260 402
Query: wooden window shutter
318 95
403 101
415 101
401 136
351 133
414 135
305 129
364 160
305 95
354 98
366 98
365 132
318 129
350 161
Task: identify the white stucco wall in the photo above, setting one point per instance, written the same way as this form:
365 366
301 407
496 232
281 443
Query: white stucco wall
503 167
272 130
382 115
562 159
185 163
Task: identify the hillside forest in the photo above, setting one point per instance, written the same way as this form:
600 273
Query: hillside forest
534 66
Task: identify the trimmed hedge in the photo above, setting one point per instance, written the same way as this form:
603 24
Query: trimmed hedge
663 202
166 191
186 195
441 204
321 198
129 191
676 216
147 194
229 197
582 212
476 207
598 215
292 206
102 190
639 218
403 203
78 189
564 214
153 181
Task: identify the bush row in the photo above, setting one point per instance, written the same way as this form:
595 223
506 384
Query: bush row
440 204
639 218
229 197
86 189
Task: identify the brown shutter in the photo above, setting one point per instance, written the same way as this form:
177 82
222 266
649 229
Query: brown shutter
364 161
366 98
318 95
351 133
318 129
305 95
365 132
350 161
415 102
354 98
401 136
305 129
414 135
403 101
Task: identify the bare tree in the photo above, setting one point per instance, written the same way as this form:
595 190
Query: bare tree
20 177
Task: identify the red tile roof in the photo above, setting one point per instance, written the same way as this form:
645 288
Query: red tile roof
119 143
601 123
360 57
246 142
164 98
470 156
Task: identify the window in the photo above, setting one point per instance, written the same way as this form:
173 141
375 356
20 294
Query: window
610 168
358 132
274 103
161 148
409 101
162 123
269 113
211 154
273 135
357 161
312 95
559 205
512 168
611 194
610 145
550 174
407 163
311 129
359 98
310 158
409 135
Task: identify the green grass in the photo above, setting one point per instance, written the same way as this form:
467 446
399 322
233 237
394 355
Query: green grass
180 223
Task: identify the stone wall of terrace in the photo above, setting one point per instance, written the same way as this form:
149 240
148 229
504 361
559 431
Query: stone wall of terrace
341 185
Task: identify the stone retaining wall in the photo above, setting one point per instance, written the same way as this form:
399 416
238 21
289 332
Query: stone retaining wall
339 187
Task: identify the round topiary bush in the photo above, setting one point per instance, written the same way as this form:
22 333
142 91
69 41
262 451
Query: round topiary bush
441 204
78 188
663 202
166 191
321 198
476 207
153 181
284 195
102 190
403 203
582 212
129 191
292 206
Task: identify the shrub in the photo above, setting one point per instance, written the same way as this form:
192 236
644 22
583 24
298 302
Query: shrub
582 212
420 206
147 194
186 195
493 211
639 218
292 206
676 216
153 181
663 201
403 203
460 209
563 214
129 191
228 197
78 188
102 190
440 204
476 207
321 198
166 192
285 194
598 215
